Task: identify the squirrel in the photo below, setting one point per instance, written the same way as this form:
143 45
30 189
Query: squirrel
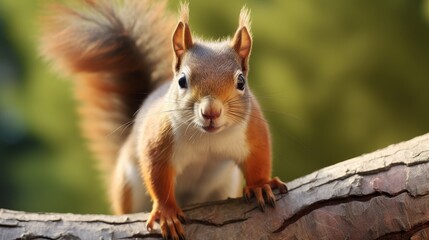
166 137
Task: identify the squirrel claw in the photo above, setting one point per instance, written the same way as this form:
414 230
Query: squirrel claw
182 236
276 183
170 221
247 194
263 192
261 206
259 198
269 195
183 218
272 203
151 221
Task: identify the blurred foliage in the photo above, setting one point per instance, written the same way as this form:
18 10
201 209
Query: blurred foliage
336 79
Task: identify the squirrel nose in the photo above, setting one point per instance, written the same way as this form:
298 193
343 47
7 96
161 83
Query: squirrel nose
210 108
210 114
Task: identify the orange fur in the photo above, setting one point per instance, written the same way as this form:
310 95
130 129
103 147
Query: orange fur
257 167
155 161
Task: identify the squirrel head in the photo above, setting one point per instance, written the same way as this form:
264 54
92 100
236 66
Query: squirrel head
209 90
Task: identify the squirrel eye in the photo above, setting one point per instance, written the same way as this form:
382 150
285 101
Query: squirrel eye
182 81
241 82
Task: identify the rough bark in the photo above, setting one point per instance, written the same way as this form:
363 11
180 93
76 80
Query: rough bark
381 195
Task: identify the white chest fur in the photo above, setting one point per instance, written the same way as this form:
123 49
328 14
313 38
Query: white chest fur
197 147
203 164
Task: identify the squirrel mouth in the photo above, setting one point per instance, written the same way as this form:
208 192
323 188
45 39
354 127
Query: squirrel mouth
211 128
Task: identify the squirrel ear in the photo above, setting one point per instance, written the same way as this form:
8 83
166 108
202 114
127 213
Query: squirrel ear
182 41
242 41
242 44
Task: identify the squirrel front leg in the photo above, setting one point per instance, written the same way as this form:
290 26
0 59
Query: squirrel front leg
165 209
257 166
159 176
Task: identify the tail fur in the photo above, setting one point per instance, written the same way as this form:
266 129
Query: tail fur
118 52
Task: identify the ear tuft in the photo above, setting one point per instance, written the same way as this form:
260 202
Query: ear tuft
184 12
182 38
244 20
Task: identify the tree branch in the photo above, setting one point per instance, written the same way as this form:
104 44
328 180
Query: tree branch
381 195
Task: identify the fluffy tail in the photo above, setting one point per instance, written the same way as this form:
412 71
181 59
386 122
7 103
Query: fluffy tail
118 51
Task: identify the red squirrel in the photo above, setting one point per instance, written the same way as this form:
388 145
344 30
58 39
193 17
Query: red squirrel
165 137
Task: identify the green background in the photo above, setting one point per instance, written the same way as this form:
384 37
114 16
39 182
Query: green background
336 79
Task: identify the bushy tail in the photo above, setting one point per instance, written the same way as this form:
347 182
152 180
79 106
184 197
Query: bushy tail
118 52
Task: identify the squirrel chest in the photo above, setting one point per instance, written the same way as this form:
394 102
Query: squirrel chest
200 161
193 147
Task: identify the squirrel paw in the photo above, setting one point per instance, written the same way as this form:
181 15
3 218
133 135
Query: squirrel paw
170 221
264 189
